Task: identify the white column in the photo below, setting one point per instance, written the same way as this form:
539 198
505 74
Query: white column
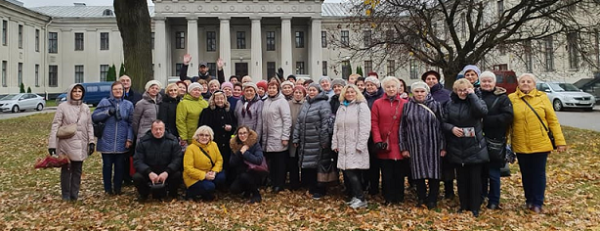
225 45
192 45
315 66
256 51
160 50
286 46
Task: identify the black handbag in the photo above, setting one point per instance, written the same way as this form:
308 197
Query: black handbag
496 149
550 134
99 129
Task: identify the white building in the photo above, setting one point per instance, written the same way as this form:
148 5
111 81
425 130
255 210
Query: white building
49 48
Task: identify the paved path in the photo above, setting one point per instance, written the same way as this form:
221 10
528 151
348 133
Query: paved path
10 115
581 119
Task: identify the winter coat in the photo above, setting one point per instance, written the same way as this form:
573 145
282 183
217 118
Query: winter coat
132 97
385 123
188 113
465 113
528 134
295 107
167 111
499 116
157 154
232 102
350 135
421 135
335 104
116 132
276 111
146 111
74 111
216 118
253 116
371 98
440 94
196 164
254 154
311 131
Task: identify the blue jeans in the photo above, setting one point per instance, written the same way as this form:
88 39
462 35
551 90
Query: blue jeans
493 182
108 160
533 172
205 188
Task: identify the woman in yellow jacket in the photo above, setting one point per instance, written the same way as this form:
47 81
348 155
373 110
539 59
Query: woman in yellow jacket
530 140
202 166
188 112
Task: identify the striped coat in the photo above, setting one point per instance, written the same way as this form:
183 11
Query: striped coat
421 135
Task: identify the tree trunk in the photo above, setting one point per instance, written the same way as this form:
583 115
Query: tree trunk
133 20
450 73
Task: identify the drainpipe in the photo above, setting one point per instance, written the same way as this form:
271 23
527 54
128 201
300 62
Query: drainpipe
45 58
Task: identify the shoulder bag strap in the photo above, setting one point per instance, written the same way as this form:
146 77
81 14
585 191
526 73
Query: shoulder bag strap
536 114
206 154
427 108
395 115
494 103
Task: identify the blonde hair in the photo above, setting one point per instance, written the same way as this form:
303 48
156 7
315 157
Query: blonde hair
461 83
213 82
204 129
172 85
359 97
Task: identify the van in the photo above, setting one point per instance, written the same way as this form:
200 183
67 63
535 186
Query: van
507 80
94 92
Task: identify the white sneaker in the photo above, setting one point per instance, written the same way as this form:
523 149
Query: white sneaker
354 199
359 204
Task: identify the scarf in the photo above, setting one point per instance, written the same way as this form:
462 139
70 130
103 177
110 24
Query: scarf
246 107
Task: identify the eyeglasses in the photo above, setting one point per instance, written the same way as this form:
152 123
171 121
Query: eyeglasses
463 90
175 90
242 133
203 135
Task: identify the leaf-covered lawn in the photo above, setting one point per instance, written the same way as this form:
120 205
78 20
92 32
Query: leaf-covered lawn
30 199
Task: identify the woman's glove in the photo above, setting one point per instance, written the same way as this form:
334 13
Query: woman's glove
91 149
111 111
52 151
381 145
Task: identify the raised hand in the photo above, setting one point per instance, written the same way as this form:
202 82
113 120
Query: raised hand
187 58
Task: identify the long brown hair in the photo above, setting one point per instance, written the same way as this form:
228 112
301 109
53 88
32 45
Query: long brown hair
237 138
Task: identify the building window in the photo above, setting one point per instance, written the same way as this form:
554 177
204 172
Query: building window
300 40
37 40
37 75
79 73
78 41
346 69
53 76
414 69
463 25
368 67
324 39
391 68
20 37
107 12
212 68
19 74
211 41
179 40
178 68
104 41
528 57
549 53
152 39
270 40
271 70
367 38
500 7
103 72
324 68
4 64
573 50
345 38
241 39
300 68
52 42
4 32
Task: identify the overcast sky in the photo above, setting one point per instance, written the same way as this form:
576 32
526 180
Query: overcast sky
36 3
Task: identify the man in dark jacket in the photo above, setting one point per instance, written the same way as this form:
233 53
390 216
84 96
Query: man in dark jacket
203 71
133 97
157 162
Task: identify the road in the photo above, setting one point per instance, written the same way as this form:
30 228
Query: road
10 115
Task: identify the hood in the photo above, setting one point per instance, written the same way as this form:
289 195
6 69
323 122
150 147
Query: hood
296 102
499 91
436 87
357 100
319 97
69 94
147 97
190 97
278 96
251 141
377 94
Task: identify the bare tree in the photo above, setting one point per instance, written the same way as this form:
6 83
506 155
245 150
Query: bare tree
452 34
133 20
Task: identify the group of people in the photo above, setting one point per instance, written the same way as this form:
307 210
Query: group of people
208 134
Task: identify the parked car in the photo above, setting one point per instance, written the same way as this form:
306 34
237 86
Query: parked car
94 92
566 95
21 102
507 80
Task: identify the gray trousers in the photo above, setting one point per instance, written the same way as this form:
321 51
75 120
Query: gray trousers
70 180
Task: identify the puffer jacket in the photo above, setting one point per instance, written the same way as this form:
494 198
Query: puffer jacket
295 107
498 119
465 113
157 154
188 113
254 154
196 164
76 147
116 132
276 111
440 94
385 128
311 131
528 134
350 135
146 111
167 111
251 117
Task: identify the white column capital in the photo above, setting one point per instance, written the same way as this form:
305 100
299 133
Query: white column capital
159 18
191 18
286 18
254 18
225 17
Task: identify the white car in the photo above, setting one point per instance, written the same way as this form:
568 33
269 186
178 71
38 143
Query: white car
566 95
22 102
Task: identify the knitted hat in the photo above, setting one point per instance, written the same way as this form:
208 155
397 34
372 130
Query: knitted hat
292 77
419 85
227 84
471 68
373 80
287 83
434 73
340 82
153 82
301 88
315 85
261 84
324 78
250 84
195 85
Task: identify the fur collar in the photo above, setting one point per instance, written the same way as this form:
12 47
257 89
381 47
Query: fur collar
251 141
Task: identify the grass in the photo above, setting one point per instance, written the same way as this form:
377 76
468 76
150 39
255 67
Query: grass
51 103
30 199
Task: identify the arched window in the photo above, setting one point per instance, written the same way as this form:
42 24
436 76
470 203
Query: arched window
107 12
